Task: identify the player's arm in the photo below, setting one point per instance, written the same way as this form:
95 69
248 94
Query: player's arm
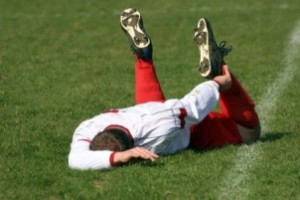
224 80
82 158
203 98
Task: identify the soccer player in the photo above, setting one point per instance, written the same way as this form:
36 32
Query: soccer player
156 126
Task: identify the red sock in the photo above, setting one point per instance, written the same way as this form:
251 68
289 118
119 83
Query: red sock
237 104
147 87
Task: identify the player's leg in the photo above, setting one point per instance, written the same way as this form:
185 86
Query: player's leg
237 104
147 86
238 121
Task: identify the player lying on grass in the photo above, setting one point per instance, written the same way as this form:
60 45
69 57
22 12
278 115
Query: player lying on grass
156 126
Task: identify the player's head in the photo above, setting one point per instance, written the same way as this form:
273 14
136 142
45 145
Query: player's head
112 139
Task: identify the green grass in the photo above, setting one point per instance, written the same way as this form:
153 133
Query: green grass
65 61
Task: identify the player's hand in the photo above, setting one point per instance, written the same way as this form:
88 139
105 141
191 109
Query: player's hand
224 80
136 152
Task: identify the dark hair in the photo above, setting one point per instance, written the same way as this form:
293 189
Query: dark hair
112 139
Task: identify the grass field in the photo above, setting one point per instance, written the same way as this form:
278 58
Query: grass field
65 61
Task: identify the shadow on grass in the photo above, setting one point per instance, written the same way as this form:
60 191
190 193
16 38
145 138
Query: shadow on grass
151 164
266 137
272 137
146 163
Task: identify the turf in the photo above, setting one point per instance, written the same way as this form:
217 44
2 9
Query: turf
64 61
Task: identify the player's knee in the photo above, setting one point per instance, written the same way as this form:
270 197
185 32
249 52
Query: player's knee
256 133
250 135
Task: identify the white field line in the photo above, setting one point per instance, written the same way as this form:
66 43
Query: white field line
235 184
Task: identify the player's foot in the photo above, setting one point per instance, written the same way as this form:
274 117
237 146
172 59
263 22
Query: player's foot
211 55
132 25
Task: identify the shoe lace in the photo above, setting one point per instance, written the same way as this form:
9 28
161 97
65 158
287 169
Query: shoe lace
224 50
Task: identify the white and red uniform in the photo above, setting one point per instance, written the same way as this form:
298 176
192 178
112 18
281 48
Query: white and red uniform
161 127
166 127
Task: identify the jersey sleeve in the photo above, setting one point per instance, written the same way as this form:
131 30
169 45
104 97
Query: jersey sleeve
82 158
200 101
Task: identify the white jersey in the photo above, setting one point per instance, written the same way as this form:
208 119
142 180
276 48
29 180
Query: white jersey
163 128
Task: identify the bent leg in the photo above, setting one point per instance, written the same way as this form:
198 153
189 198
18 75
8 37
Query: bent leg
237 104
238 121
147 86
215 130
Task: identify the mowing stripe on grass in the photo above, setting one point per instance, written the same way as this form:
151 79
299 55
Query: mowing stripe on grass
235 184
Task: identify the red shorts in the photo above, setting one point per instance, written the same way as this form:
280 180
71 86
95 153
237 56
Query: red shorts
215 130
